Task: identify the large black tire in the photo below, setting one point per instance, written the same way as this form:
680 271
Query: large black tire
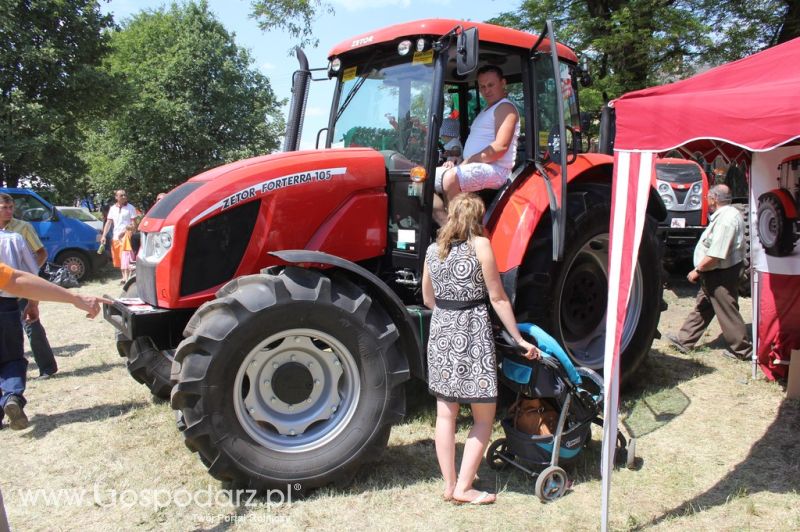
77 262
328 371
568 298
744 278
145 362
774 228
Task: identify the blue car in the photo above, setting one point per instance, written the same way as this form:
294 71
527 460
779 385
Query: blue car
68 242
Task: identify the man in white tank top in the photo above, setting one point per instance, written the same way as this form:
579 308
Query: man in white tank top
490 148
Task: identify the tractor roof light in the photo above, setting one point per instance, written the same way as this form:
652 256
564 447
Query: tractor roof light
421 44
336 65
404 47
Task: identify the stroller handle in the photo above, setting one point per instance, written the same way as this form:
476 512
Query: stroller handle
546 358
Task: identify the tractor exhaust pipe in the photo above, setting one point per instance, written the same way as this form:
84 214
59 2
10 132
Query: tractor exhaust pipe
297 110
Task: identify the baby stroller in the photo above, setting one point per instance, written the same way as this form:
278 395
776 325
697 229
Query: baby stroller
576 395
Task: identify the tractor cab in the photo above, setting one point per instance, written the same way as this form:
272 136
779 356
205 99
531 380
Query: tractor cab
396 86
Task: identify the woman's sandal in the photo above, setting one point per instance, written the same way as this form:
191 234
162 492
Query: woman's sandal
481 499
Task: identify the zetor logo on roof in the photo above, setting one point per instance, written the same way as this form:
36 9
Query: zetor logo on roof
362 41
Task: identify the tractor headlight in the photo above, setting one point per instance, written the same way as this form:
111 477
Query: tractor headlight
697 188
695 201
663 188
156 245
667 199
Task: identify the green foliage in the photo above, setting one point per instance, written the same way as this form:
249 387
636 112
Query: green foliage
292 16
191 101
50 51
632 44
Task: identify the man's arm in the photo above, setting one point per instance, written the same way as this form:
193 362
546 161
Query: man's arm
24 284
107 225
41 256
505 120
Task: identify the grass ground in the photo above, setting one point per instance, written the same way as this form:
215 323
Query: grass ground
719 451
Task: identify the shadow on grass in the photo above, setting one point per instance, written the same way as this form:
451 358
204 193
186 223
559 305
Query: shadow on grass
43 424
69 350
772 466
653 397
88 370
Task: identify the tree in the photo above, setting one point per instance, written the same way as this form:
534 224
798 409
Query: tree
50 51
632 44
293 16
191 101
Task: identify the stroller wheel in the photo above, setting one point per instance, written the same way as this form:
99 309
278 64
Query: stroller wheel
551 484
493 459
630 460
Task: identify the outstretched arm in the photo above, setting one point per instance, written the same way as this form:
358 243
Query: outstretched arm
30 286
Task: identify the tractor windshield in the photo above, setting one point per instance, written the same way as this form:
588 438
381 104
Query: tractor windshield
385 107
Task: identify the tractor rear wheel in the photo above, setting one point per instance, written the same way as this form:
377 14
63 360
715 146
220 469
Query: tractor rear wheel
744 278
287 378
774 228
145 362
568 298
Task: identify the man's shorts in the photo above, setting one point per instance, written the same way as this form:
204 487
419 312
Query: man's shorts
473 177
116 253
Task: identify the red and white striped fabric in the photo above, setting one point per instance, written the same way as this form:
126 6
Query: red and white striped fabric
633 174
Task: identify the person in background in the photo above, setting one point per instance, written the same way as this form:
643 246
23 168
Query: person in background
12 253
120 216
718 258
459 280
160 196
12 362
491 146
127 255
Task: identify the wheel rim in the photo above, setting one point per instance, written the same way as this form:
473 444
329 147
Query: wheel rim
75 266
296 390
553 484
768 227
582 303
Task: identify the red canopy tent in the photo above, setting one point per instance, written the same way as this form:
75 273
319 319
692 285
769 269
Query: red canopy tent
753 103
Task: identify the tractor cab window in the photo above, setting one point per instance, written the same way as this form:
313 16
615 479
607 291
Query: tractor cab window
546 103
386 107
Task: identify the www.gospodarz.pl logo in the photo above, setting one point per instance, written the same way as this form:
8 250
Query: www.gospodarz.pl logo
105 497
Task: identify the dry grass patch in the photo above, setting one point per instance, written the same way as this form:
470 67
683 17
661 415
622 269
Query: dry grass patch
719 452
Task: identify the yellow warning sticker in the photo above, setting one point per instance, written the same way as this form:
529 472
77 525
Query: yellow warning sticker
422 58
349 73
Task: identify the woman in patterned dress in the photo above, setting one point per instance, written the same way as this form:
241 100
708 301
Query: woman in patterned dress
459 279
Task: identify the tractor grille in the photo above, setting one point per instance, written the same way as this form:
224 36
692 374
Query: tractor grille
215 247
146 282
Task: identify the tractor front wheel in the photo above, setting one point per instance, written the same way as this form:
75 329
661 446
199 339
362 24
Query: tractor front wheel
145 362
289 378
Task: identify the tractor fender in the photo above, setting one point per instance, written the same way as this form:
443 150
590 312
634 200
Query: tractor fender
523 209
787 202
410 341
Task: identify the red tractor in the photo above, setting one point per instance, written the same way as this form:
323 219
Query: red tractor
683 187
778 221
284 292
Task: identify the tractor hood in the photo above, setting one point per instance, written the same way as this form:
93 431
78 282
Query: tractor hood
330 174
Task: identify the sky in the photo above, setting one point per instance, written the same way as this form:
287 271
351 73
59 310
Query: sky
352 17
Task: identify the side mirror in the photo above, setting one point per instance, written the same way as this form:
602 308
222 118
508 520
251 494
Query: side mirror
467 51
